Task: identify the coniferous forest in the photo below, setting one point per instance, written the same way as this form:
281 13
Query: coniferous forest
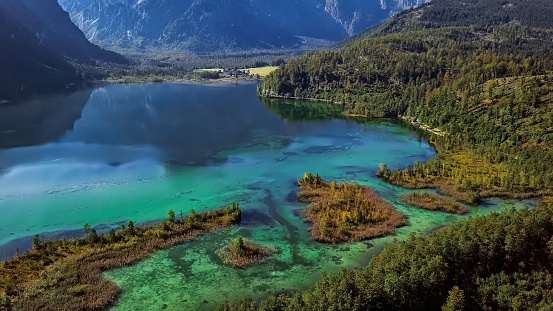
475 75
497 262
484 82
479 74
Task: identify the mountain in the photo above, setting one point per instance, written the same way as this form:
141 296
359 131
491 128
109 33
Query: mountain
480 71
39 43
207 26
477 77
479 14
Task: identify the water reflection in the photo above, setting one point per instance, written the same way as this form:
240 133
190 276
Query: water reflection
114 161
292 110
40 120
189 124
179 124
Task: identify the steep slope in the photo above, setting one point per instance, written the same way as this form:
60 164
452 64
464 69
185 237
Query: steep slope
486 82
482 72
208 26
480 14
37 40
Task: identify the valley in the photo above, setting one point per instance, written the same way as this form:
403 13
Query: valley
430 122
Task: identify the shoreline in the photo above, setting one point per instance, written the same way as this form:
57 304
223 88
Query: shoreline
249 253
186 81
442 184
274 96
346 212
68 274
92 84
410 120
215 82
422 126
25 243
446 186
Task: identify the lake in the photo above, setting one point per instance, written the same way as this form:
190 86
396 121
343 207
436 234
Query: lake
116 153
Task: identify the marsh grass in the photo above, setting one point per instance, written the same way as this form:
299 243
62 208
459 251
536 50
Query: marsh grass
462 175
346 212
241 252
67 275
434 202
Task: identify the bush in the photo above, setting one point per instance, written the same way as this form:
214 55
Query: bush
474 198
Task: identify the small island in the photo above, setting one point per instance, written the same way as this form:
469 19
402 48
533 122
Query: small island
344 212
241 252
434 202
67 274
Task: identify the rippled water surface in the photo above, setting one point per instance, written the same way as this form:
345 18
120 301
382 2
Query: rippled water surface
132 152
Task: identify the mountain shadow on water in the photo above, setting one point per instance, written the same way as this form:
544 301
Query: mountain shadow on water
40 120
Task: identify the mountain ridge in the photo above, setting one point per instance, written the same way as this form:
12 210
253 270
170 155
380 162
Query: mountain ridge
479 75
223 25
462 74
39 45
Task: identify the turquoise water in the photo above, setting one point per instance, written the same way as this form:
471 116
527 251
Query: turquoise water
132 152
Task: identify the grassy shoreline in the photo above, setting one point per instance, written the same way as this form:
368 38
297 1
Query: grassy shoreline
240 253
346 212
67 275
462 175
255 74
433 202
173 79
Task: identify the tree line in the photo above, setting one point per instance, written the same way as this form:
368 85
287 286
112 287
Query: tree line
488 90
496 262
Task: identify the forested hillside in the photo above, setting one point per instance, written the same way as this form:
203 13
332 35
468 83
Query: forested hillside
481 71
42 50
478 14
500 261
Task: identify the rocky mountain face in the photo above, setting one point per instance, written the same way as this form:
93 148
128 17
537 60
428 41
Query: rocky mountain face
38 42
208 26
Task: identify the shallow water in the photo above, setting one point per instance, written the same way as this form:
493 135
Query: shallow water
136 151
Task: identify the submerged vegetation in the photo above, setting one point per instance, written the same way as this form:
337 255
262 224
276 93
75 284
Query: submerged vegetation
485 83
67 274
501 261
342 212
242 252
433 202
481 73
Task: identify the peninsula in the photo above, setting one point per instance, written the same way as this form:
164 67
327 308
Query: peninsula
67 274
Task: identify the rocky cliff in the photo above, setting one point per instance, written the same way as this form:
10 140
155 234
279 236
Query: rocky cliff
208 26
